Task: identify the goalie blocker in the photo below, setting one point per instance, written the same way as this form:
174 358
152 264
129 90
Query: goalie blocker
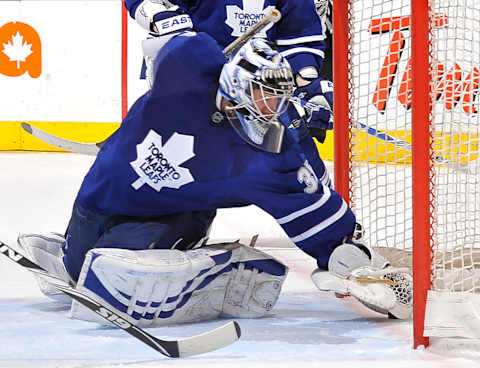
157 287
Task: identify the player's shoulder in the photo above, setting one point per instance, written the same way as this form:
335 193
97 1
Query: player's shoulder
193 43
196 50
188 56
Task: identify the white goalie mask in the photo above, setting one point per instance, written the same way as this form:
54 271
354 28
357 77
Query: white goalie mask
258 82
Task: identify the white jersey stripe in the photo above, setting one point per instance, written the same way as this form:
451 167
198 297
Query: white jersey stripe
325 179
308 209
322 225
296 50
294 41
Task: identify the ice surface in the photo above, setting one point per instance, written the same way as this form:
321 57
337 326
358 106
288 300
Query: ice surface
308 328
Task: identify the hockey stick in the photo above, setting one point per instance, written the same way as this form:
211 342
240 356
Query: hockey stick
360 126
402 144
93 148
206 342
77 147
383 136
439 159
271 17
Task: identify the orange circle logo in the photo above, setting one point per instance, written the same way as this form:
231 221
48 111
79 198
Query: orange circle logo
20 50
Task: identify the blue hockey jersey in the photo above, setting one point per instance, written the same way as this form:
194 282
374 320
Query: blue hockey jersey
175 152
299 34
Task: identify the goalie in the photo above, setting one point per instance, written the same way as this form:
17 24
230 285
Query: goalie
211 133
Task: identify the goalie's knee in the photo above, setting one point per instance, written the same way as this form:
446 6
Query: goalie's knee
158 287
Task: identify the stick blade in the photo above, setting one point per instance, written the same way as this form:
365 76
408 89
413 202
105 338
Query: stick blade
210 341
68 145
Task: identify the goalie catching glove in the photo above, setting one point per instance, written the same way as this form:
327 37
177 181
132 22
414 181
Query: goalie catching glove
357 270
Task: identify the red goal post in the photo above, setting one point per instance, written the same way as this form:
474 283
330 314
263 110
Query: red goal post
409 69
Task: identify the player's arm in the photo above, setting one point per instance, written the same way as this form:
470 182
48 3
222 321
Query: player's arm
163 21
188 60
325 12
322 225
300 36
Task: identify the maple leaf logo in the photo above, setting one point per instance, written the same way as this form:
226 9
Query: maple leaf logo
240 20
17 50
159 166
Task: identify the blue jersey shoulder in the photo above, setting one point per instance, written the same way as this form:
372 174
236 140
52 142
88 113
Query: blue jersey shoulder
190 60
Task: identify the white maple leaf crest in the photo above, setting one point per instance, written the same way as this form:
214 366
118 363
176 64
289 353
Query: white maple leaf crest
240 20
159 166
17 50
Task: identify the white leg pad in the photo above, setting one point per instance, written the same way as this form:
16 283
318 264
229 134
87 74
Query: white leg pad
46 251
162 286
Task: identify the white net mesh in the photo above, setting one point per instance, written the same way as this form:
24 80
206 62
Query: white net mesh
381 92
456 53
381 176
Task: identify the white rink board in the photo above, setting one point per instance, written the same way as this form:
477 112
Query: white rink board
81 62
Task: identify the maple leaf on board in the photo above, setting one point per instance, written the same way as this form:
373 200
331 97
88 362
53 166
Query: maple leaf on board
17 50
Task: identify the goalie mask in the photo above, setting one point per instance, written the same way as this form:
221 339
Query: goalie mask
258 83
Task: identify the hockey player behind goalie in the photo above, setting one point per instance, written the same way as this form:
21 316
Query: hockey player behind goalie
211 133
299 36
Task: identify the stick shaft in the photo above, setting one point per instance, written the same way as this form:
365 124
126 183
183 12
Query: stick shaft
271 17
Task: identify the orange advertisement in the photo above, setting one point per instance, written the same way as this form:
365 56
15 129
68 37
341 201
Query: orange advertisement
20 50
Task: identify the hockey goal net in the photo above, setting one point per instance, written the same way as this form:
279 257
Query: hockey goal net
407 160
